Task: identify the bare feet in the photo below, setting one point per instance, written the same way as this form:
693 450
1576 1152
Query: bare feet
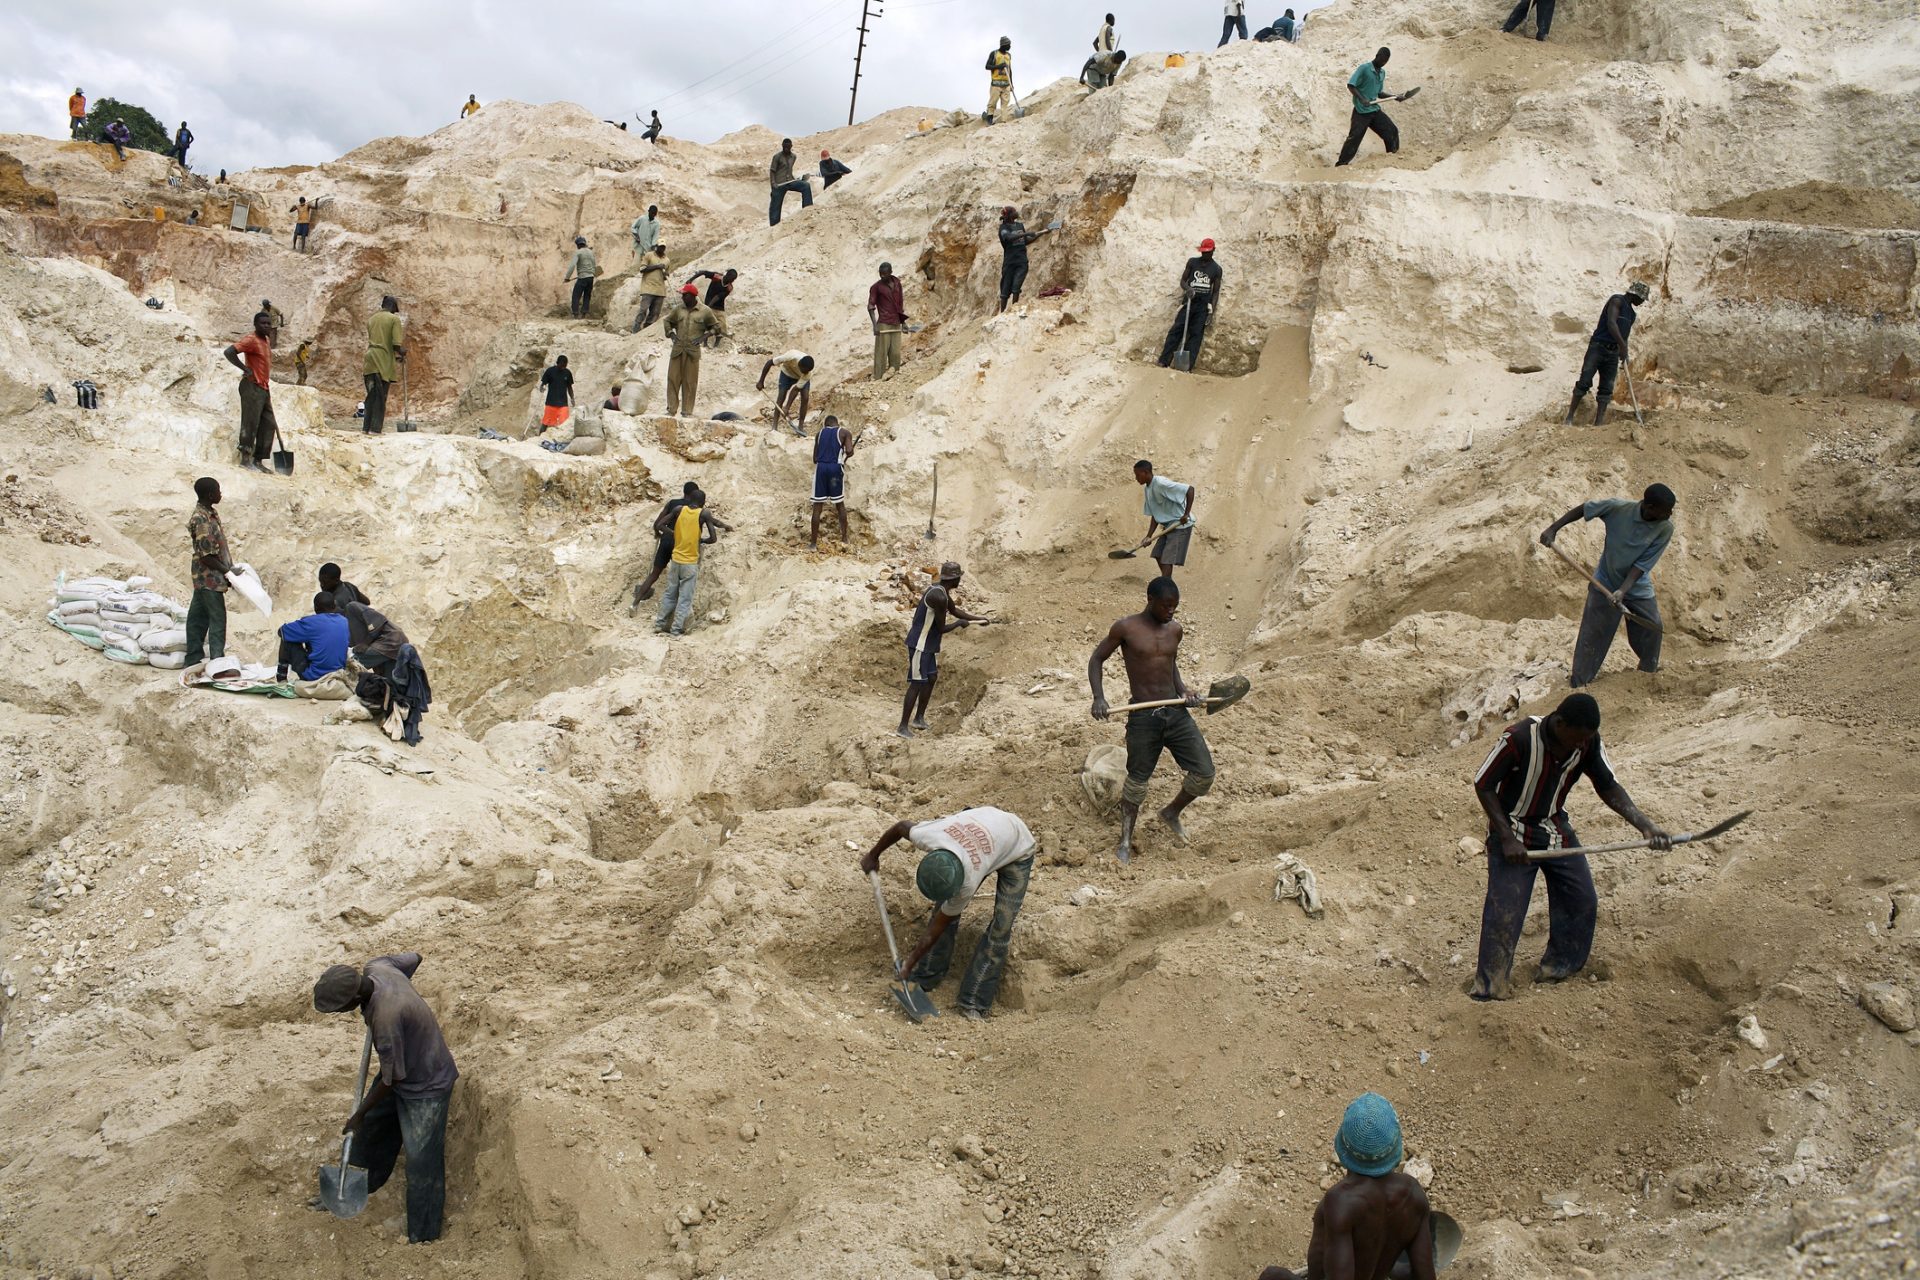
1172 820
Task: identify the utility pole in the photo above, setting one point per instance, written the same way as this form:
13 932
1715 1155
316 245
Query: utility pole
868 9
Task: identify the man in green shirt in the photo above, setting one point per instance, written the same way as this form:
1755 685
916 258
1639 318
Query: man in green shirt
581 271
1368 85
688 326
382 365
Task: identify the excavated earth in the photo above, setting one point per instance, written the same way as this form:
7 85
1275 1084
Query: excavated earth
630 864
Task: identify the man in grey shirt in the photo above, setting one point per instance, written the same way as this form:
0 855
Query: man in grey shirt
780 178
646 231
1169 508
1637 536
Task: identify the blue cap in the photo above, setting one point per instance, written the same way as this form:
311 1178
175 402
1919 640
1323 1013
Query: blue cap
1369 1139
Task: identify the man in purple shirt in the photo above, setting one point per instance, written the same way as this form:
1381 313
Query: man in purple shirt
887 309
407 1106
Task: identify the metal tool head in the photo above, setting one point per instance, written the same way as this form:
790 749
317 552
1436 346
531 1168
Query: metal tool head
343 1187
1123 553
1055 225
283 461
917 1004
1183 360
1409 93
1447 1239
1723 827
1222 694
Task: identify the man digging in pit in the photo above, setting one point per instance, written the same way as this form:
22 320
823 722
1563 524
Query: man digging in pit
924 634
1149 643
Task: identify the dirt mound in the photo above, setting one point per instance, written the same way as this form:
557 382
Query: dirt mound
1822 204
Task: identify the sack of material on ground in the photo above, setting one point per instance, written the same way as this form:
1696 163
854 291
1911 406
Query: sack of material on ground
123 619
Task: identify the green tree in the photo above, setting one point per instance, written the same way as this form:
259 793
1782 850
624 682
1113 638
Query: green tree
148 134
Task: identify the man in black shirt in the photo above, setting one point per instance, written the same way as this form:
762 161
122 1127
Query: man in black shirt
831 170
1014 239
718 288
343 592
1200 282
1607 350
558 380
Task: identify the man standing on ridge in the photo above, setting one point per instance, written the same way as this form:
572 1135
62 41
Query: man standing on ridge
182 139
831 170
959 852
257 426
472 107
381 368
1106 40
1169 509
646 232
780 178
1367 86
1014 239
1607 350
1637 536
924 634
1235 20
581 270
652 132
687 327
1201 281
77 114
302 222
1542 17
1149 643
1522 786
1000 79
558 382
887 311
207 611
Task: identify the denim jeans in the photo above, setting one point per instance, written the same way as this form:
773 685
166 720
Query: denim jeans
1600 622
1572 909
676 598
1230 24
206 625
419 1126
982 982
779 198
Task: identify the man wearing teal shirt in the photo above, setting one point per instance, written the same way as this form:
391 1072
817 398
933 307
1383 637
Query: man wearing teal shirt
1637 536
1368 85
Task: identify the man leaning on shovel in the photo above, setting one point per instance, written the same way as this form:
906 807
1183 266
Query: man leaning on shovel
1637 536
407 1106
958 854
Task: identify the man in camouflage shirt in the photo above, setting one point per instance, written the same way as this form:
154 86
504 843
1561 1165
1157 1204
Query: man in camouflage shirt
207 613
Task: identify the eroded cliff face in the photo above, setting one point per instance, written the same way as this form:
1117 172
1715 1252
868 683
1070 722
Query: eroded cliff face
631 865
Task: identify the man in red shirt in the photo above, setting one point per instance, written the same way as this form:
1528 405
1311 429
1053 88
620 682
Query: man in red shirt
887 309
257 427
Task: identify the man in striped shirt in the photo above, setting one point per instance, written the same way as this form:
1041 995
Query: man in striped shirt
1523 787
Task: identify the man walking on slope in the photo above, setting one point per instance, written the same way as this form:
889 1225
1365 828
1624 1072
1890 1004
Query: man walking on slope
780 178
1169 509
1201 281
1607 350
1000 79
1014 239
207 611
831 449
1522 786
1637 536
1149 643
381 368
581 270
1375 1217
887 310
557 381
693 528
1368 87
646 232
257 427
1542 17
924 634
958 853
687 327
1235 20
77 114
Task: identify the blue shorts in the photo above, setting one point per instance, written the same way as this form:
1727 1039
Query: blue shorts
787 380
829 482
923 665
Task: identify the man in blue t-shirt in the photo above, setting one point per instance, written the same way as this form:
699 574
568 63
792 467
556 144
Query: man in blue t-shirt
1607 350
316 644
1637 536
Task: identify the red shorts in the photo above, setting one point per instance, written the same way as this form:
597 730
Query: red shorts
555 415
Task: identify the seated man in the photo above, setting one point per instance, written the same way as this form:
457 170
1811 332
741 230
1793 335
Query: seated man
1375 1217
316 644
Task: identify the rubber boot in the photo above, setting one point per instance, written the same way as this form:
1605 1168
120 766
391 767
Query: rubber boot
1573 408
1600 410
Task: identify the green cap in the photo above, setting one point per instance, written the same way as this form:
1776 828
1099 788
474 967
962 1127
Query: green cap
940 875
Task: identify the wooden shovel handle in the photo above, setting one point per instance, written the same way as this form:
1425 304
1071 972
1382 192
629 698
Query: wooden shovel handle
1602 587
1163 702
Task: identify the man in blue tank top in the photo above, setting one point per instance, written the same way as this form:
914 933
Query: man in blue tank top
831 449
923 644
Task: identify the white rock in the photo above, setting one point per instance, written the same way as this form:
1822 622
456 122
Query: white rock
543 878
1749 1030
1891 1003
1420 1169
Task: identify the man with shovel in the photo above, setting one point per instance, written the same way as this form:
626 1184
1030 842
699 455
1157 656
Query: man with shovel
1368 87
958 854
1522 786
1637 536
1149 643
1200 284
1169 509
1000 80
1014 239
407 1106
381 369
1607 351
924 635
257 426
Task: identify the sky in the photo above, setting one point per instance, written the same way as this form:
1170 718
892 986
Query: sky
275 83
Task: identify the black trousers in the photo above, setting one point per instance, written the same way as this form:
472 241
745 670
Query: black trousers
419 1127
293 656
1542 17
650 305
582 296
1188 330
376 420
1357 129
1603 358
1013 278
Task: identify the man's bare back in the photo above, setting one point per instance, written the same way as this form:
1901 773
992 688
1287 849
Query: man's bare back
1361 1228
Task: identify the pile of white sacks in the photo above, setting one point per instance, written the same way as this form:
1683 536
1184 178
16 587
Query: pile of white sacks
127 620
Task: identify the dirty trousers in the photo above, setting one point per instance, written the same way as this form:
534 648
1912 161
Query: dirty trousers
1542 17
256 420
676 598
886 352
376 401
1001 96
1572 908
1599 622
1171 729
1013 278
582 298
1357 129
1602 358
683 379
419 1125
982 983
206 625
1187 331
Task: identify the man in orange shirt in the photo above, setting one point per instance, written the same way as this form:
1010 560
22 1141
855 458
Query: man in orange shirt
257 427
77 112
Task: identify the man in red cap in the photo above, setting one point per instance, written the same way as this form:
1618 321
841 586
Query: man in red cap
1199 295
831 170
687 325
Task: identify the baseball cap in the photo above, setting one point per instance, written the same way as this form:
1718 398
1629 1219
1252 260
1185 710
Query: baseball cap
1206 246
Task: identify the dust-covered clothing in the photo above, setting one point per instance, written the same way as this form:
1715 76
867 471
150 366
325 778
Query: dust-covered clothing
1165 501
985 839
345 593
1170 548
1370 85
209 540
372 635
1530 777
646 234
1170 729
258 355
1600 622
1573 910
385 336
584 265
558 382
982 981
1000 67
257 423
206 624
688 327
1542 17
791 373
653 276
414 1059
1624 315
1632 542
831 171
780 171
686 535
888 299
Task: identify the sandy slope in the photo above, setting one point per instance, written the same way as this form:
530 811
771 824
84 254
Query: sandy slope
630 868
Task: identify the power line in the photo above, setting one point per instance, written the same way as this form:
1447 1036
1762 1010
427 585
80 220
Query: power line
727 93
753 56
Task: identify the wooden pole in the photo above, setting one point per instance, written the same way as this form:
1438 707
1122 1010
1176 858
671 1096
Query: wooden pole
867 11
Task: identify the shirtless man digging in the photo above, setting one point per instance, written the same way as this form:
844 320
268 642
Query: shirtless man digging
1149 642
1375 1215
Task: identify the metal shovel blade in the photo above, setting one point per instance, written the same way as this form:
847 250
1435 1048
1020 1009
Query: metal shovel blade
1183 360
1222 694
917 1004
1123 553
283 461
343 1187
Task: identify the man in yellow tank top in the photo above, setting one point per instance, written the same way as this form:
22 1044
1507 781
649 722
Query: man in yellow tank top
693 528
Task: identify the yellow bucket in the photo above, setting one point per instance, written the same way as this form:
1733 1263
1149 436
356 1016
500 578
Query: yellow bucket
1176 59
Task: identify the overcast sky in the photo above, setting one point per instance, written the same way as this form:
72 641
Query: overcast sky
272 82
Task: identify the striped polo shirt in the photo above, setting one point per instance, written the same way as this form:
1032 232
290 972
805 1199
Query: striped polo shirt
1531 778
